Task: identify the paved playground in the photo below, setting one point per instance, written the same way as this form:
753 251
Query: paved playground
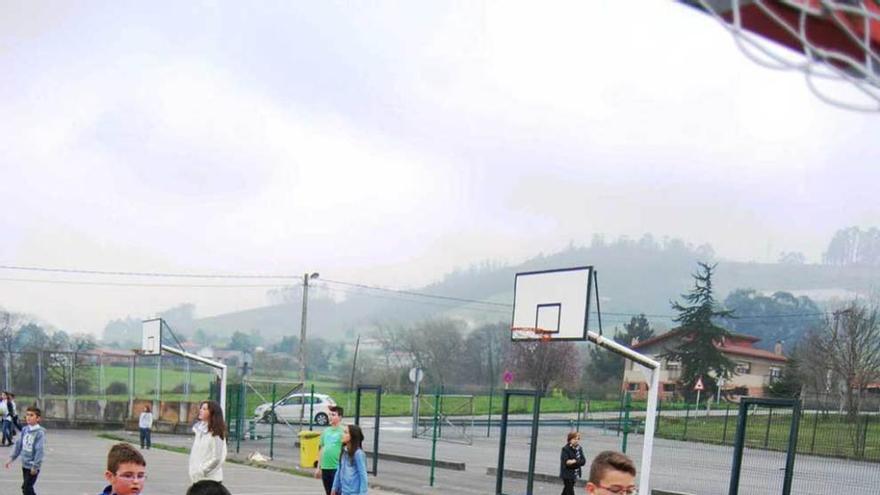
75 463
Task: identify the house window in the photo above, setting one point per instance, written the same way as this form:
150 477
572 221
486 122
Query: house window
743 368
633 387
669 387
775 373
673 365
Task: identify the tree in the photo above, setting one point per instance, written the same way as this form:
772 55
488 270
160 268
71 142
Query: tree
124 333
545 364
241 341
781 317
853 246
850 347
607 366
698 351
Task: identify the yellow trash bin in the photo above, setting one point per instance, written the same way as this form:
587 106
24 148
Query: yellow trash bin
308 448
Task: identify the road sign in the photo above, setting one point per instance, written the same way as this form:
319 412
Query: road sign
507 377
698 387
416 375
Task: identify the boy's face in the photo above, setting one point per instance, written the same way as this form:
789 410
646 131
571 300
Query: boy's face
31 418
613 482
335 418
128 479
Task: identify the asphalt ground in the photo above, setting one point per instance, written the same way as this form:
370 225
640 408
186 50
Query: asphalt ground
76 459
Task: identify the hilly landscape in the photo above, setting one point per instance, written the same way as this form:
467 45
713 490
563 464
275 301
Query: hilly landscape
634 277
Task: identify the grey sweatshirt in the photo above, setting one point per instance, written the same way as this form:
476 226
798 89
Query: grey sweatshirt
30 446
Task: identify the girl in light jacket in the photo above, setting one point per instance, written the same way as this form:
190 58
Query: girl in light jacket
145 426
209 446
351 476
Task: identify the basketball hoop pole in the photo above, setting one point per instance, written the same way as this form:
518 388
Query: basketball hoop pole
653 394
200 359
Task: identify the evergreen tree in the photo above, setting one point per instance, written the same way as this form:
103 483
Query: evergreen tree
698 351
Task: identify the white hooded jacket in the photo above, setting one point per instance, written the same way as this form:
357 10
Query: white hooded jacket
207 455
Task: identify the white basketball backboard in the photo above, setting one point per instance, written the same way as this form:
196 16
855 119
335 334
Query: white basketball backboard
555 303
152 340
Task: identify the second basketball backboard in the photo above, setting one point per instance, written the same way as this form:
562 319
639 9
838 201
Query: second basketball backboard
552 304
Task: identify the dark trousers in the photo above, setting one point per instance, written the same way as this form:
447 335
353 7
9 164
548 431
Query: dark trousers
7 432
27 488
145 437
327 476
568 489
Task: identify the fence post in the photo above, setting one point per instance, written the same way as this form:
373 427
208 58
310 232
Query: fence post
815 424
767 432
579 406
724 431
433 437
40 376
687 415
864 436
626 407
312 409
272 425
489 421
158 394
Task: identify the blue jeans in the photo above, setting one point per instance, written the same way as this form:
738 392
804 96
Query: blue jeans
145 437
27 486
7 432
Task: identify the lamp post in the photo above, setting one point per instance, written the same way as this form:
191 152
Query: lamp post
302 328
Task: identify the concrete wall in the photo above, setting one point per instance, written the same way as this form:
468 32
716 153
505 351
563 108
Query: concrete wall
83 413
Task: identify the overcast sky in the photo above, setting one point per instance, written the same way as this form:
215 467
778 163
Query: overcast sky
391 142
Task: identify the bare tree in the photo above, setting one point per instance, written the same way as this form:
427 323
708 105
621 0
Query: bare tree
850 346
544 364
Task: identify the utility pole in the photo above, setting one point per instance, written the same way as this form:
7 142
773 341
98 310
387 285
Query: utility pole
302 328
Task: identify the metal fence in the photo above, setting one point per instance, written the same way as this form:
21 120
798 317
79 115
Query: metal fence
49 374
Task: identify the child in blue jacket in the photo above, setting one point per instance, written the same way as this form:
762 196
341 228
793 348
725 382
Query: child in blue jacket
30 446
351 476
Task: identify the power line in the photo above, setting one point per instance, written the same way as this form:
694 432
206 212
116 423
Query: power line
146 274
418 294
136 284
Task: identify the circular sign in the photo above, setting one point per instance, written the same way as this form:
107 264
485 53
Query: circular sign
416 375
507 377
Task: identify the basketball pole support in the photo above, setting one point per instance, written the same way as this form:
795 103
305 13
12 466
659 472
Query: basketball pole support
653 395
214 364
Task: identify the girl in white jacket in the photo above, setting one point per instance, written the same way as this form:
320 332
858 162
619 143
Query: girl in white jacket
209 446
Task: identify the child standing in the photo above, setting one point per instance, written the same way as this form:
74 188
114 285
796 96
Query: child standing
126 471
571 460
30 446
351 476
5 419
145 425
209 445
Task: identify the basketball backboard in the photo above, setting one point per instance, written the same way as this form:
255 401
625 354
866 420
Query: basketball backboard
552 304
152 337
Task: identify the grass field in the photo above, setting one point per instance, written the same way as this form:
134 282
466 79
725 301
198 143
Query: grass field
820 434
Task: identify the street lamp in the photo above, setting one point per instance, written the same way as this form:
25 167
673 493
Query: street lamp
302 328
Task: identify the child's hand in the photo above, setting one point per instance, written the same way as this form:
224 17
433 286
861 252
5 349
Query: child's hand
34 471
7 464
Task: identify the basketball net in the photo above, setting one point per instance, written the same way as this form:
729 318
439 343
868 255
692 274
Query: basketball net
840 41
531 333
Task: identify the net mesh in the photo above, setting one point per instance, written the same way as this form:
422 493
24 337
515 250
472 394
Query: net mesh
839 41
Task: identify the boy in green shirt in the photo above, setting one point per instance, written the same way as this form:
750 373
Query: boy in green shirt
329 448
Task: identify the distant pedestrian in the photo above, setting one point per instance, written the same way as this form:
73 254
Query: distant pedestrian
209 445
571 460
207 487
329 449
145 426
612 472
30 446
15 423
126 471
351 477
5 419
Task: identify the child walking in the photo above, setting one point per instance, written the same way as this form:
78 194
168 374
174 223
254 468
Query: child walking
30 446
351 476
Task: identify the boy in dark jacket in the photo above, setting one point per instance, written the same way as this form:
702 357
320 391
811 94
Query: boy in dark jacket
571 460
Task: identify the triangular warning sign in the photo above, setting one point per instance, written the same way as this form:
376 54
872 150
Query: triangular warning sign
699 385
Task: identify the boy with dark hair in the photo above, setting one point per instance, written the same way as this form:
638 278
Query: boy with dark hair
329 449
207 487
126 470
30 446
612 473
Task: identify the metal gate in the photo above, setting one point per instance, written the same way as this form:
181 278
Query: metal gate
455 416
765 444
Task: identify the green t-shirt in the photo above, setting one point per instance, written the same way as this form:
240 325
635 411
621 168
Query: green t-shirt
331 443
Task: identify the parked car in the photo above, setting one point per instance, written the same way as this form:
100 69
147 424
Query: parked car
290 408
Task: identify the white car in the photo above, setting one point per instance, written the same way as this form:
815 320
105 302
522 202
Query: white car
290 409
